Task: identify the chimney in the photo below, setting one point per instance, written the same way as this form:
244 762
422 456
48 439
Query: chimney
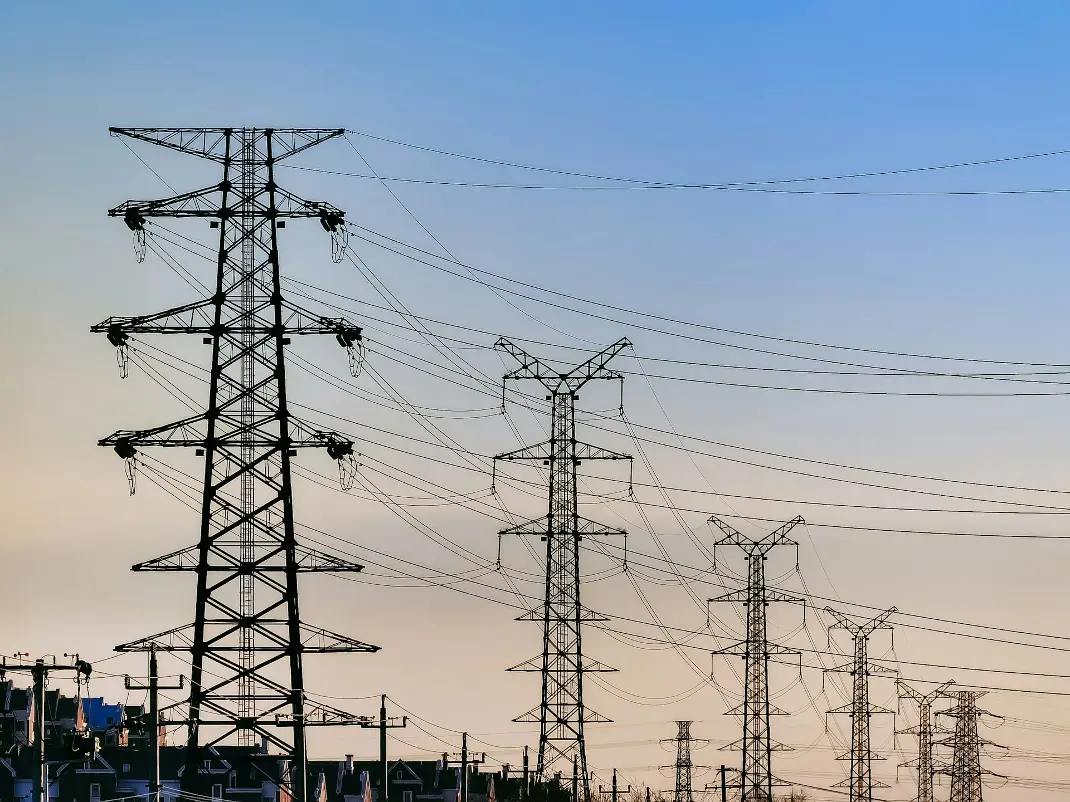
263 745
349 764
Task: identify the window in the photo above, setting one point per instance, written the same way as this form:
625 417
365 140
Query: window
94 792
217 791
406 796
399 775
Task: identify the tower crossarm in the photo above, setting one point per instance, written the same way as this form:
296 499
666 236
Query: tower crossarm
203 203
907 692
740 596
857 630
309 561
755 546
771 649
554 381
189 432
211 143
197 318
538 526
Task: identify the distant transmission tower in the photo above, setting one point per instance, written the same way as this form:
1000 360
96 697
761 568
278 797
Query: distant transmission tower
923 763
247 640
965 769
561 714
683 766
756 778
861 782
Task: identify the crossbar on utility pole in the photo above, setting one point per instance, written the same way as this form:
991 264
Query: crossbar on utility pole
154 687
40 670
384 723
467 760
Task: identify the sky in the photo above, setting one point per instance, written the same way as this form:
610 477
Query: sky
688 93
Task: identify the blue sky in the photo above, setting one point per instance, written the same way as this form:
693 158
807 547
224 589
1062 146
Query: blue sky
687 92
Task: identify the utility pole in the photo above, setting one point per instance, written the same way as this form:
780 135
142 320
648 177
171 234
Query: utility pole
467 761
923 763
247 640
40 670
965 769
723 784
383 723
861 782
154 687
561 713
615 793
524 787
756 778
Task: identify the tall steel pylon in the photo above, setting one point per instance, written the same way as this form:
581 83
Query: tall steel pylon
965 768
861 782
924 729
683 766
247 639
562 713
756 777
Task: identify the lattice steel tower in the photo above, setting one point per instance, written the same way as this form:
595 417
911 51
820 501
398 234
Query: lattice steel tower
683 766
965 769
562 714
247 640
923 763
756 777
861 782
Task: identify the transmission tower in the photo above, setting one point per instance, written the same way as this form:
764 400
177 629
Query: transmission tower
683 767
965 769
923 763
861 782
247 639
562 714
756 777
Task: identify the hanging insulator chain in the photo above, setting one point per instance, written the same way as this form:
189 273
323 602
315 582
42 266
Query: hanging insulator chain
334 224
349 337
342 452
135 221
356 359
131 474
120 339
122 356
128 454
348 467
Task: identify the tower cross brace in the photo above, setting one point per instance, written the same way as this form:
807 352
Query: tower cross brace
562 714
756 777
861 782
247 640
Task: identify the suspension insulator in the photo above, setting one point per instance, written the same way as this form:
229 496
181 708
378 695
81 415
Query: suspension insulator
339 449
125 449
134 220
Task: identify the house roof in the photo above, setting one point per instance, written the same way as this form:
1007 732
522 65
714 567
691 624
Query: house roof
100 716
426 776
